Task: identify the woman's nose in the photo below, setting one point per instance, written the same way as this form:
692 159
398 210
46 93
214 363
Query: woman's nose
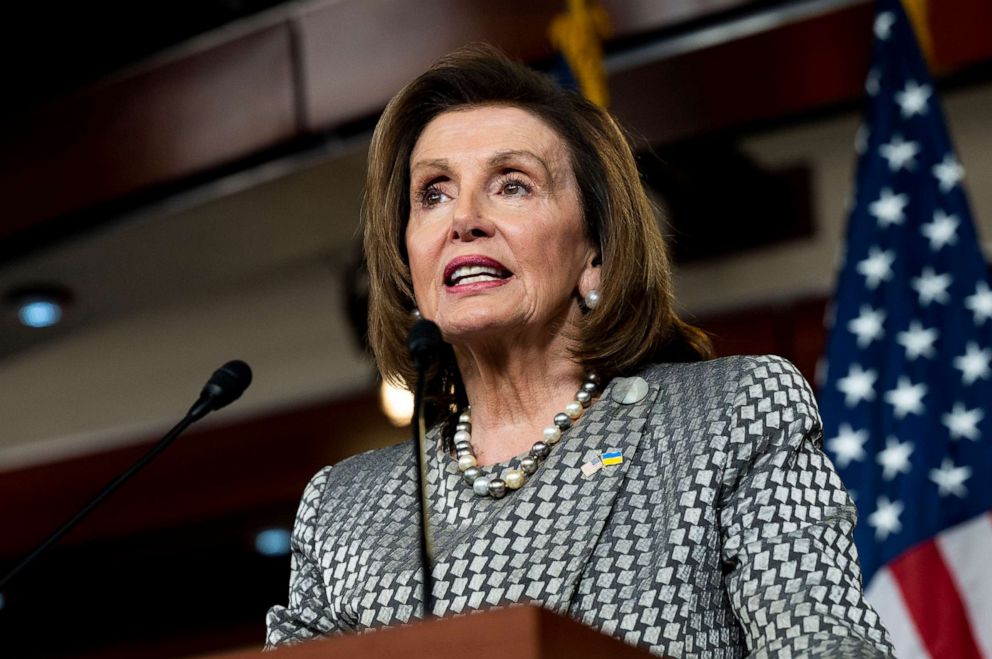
470 221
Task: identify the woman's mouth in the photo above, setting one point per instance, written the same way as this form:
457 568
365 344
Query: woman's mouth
472 271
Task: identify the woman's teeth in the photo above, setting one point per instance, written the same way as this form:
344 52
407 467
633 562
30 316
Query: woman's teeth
473 274
472 280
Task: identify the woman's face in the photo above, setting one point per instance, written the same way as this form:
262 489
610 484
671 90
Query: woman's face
495 235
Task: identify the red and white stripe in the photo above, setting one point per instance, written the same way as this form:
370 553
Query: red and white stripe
936 598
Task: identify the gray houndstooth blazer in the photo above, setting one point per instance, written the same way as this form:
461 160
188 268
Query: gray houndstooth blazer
725 531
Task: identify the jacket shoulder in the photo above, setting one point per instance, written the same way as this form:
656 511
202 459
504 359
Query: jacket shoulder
373 461
354 474
733 369
736 390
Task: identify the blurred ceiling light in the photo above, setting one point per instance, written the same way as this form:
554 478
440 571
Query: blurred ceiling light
397 403
38 306
273 542
39 313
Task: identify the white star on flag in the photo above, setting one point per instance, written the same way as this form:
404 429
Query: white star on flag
931 287
877 267
883 25
899 153
962 422
974 363
857 385
949 172
918 340
906 398
950 479
894 458
867 326
885 519
848 445
912 99
980 303
942 231
889 208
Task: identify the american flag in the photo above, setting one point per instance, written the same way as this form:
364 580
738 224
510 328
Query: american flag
907 397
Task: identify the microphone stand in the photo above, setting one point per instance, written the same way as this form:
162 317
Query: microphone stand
423 341
225 386
426 537
104 493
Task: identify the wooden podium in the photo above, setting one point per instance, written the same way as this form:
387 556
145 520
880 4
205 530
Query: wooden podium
519 632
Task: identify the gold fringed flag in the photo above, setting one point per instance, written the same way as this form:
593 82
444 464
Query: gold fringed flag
577 34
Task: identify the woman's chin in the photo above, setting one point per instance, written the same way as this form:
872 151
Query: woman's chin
465 332
485 322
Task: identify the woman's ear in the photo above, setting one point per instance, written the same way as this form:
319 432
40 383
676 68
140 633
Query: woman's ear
590 279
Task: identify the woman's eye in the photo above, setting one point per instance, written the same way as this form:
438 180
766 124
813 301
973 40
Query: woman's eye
431 196
514 188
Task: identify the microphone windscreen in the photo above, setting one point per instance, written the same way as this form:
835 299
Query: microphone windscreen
227 383
424 341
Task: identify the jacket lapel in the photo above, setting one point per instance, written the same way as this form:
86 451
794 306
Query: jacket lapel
609 426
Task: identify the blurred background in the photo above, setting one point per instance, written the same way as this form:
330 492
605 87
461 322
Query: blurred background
180 185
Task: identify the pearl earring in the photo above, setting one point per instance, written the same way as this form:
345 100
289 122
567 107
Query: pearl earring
592 299
415 312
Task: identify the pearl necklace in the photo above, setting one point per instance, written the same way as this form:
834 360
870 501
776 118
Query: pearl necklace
513 479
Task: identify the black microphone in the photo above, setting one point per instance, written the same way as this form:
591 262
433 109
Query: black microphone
424 342
224 387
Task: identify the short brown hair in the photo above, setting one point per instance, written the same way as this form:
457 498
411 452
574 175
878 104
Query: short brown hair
634 324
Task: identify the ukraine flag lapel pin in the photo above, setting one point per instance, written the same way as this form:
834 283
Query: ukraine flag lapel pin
611 457
605 459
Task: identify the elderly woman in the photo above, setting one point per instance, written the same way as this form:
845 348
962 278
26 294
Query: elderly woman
588 454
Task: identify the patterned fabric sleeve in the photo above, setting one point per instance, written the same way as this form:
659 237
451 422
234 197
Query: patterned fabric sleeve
306 615
787 527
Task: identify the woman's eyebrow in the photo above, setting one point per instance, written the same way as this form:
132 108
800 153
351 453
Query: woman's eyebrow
503 157
499 159
440 164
